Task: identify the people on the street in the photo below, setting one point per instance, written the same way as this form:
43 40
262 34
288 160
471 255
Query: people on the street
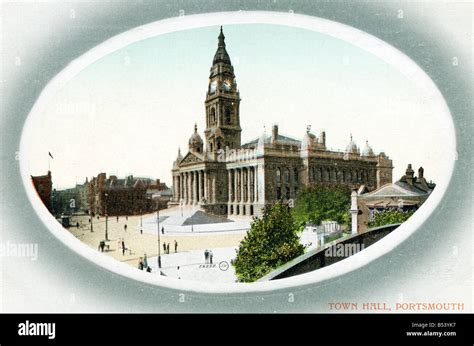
141 265
168 248
162 230
117 218
102 245
206 256
175 246
210 256
125 227
164 247
123 247
145 261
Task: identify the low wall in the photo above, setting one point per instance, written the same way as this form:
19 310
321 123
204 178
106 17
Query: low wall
318 258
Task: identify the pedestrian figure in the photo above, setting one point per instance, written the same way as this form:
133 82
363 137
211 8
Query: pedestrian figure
126 217
206 256
164 247
89 220
140 264
125 228
175 246
117 218
102 245
123 247
148 269
162 230
168 248
77 224
145 261
141 231
210 256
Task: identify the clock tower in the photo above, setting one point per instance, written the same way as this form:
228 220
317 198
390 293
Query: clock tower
222 103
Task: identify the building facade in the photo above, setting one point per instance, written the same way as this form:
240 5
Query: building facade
129 196
224 176
71 201
405 195
44 185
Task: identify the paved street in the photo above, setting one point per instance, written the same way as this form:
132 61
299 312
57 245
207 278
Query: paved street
190 265
220 235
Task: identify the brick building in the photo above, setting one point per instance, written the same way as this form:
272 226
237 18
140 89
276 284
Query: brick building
127 196
44 186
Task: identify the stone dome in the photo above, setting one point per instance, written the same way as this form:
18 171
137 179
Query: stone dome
367 151
195 141
351 148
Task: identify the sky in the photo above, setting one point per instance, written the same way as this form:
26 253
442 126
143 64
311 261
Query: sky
130 111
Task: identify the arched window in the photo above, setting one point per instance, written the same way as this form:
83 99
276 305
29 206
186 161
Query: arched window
286 177
278 176
278 183
228 116
213 116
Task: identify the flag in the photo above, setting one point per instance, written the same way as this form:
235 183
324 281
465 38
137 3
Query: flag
50 155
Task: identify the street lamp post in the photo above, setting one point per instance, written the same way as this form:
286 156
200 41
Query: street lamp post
106 218
158 229
92 219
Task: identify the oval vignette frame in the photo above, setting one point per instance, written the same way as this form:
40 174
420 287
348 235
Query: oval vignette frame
356 37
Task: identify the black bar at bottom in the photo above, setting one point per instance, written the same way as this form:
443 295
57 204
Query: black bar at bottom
238 329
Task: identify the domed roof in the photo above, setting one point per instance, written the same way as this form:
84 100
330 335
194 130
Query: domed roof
352 147
367 151
195 139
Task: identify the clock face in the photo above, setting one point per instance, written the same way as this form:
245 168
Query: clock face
227 85
213 86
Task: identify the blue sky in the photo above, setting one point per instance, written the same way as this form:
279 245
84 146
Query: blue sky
130 111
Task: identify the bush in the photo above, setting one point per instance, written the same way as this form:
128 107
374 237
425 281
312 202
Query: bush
271 242
388 217
325 202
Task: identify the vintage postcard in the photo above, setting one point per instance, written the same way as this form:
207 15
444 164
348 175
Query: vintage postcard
277 156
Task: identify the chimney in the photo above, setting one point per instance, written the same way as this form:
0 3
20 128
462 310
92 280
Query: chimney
409 174
274 132
420 173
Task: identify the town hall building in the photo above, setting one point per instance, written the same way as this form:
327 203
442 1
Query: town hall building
224 176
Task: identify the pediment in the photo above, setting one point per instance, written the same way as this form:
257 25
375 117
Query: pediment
190 158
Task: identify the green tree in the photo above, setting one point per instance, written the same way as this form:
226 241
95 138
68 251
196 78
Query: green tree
271 242
323 202
388 217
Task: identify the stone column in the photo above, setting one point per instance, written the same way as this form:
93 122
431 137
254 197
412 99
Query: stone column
229 184
195 187
255 184
185 187
206 196
249 183
242 194
354 211
190 188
